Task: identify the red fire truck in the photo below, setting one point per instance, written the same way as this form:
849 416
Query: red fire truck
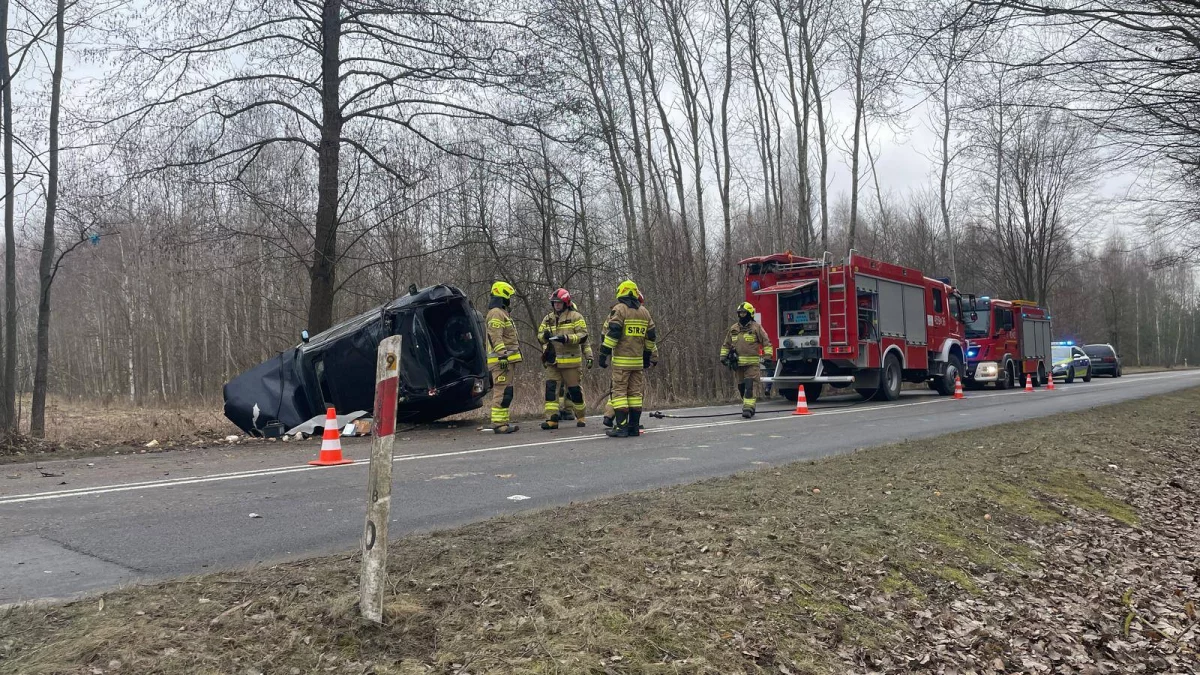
864 323
1007 340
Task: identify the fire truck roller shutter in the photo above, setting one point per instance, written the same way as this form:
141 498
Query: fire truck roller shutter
914 314
1035 338
786 286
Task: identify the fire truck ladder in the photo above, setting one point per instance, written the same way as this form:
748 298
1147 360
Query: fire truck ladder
824 261
837 306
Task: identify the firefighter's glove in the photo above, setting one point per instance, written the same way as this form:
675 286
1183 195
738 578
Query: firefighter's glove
545 336
769 365
648 360
589 363
561 339
603 360
503 362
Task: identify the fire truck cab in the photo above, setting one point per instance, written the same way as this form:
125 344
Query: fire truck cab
1007 340
863 323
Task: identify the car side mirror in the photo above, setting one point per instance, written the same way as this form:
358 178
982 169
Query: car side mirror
304 336
974 317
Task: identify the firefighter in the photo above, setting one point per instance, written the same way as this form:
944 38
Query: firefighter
608 408
561 333
741 350
504 353
629 343
566 413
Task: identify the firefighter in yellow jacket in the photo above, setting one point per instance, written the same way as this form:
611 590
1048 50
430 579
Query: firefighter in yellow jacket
744 341
566 408
562 333
609 413
629 342
504 353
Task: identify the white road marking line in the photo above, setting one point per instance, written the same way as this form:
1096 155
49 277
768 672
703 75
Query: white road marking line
259 473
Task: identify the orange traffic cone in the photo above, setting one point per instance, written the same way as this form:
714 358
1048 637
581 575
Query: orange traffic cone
331 443
801 402
1050 384
958 392
1029 383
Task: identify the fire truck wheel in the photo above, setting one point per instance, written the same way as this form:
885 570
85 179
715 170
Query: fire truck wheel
1040 378
812 392
790 394
944 384
889 380
1005 380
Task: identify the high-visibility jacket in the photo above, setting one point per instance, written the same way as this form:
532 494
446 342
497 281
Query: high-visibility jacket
501 337
630 335
746 341
571 325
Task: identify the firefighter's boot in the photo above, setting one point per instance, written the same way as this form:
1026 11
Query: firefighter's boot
576 409
608 421
620 428
506 428
635 422
565 414
749 403
551 423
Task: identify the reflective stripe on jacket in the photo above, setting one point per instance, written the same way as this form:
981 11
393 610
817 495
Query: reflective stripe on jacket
571 325
501 337
746 341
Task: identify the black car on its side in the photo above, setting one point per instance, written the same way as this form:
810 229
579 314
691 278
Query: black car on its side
443 366
1105 359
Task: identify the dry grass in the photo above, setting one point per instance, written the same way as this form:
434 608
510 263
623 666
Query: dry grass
83 428
71 421
821 567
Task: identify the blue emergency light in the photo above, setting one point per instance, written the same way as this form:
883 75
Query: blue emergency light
1064 343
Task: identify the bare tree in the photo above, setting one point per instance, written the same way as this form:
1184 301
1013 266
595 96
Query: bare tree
331 75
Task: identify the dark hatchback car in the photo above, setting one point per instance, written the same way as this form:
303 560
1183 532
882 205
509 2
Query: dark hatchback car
1105 360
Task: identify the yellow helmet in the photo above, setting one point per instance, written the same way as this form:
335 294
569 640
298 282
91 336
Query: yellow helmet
503 289
627 289
746 307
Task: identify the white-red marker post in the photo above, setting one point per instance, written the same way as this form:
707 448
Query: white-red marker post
373 575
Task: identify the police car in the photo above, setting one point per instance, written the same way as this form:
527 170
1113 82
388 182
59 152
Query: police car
1070 362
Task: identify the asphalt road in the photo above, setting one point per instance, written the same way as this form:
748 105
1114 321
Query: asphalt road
99 523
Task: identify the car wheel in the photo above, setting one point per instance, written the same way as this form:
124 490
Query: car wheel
1117 372
1070 375
1088 377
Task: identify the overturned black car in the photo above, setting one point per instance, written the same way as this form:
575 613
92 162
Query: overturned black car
443 366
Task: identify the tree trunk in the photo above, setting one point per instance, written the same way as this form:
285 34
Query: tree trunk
8 405
945 173
822 132
37 413
322 275
859 113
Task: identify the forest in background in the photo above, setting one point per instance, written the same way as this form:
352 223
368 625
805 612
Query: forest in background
191 184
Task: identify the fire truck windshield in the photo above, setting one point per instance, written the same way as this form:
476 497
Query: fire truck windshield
980 326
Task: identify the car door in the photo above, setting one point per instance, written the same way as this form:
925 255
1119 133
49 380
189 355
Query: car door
1083 365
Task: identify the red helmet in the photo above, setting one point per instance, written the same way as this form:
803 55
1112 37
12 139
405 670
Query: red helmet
561 295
